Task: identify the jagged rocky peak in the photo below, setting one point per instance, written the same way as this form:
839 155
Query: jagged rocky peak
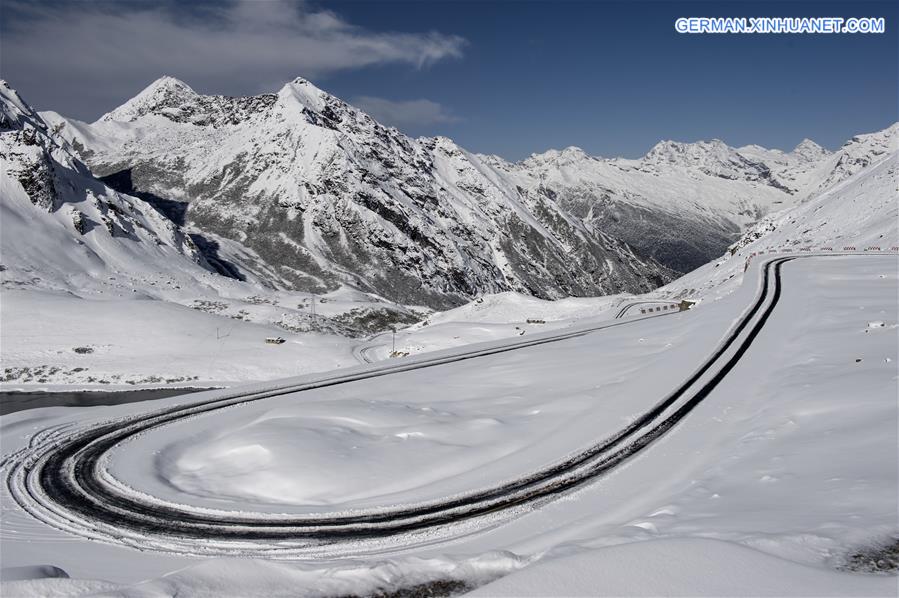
569 155
809 150
862 151
688 154
305 93
886 140
23 129
300 100
14 111
163 95
444 144
325 195
80 213
168 84
25 149
176 101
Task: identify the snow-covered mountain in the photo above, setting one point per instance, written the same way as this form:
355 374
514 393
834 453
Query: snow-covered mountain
860 211
322 196
820 370
68 240
328 196
61 226
683 203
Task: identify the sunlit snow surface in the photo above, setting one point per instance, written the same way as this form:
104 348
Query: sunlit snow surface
786 469
101 291
794 454
680 567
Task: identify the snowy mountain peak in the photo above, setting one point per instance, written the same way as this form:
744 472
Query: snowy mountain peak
554 157
675 152
809 150
886 139
304 92
163 95
11 96
573 150
573 153
174 100
325 196
14 111
167 82
303 83
860 152
96 228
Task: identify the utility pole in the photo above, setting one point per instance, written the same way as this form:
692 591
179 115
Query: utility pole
393 340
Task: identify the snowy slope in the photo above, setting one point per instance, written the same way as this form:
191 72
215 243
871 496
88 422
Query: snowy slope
84 266
680 567
860 212
61 225
683 203
56 341
792 456
785 473
705 187
327 196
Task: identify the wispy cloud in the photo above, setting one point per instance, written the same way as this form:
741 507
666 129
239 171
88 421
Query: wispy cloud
405 113
97 50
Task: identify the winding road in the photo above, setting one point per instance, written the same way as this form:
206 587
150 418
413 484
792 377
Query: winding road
62 480
623 311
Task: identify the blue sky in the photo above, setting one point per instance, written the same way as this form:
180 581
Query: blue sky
509 78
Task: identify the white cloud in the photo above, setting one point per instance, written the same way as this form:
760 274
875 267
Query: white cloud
404 113
97 50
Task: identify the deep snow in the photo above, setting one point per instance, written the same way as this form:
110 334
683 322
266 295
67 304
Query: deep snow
767 488
747 467
680 567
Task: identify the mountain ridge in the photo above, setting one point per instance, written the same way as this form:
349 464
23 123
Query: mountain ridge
440 226
328 196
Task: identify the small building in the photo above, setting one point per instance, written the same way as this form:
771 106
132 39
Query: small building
275 340
686 304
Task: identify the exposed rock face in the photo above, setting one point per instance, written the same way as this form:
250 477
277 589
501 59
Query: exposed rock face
42 179
177 102
327 196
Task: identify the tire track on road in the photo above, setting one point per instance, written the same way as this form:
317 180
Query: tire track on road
69 474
